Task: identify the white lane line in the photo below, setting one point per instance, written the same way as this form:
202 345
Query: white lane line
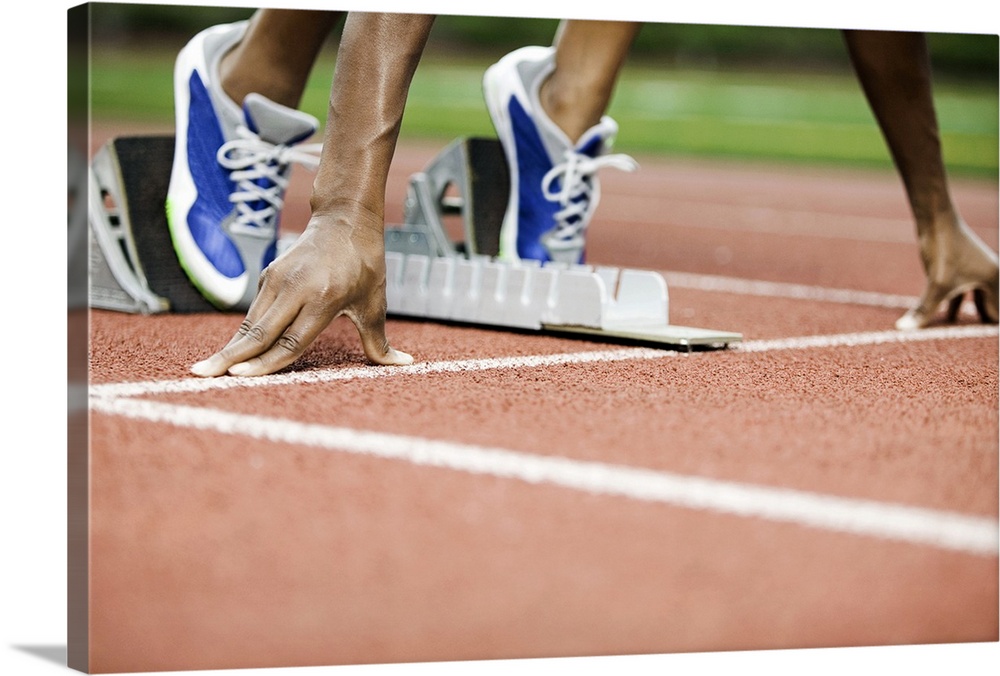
945 530
870 338
194 385
753 287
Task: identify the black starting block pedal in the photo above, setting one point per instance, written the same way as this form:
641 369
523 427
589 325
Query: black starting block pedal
133 264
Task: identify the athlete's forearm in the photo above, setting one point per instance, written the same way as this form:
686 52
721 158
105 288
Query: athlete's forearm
376 60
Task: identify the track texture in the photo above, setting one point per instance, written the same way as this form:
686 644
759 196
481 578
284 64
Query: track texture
605 500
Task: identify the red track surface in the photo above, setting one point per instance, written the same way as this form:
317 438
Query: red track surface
250 526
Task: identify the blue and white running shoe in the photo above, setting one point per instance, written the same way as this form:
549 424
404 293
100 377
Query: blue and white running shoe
230 172
554 184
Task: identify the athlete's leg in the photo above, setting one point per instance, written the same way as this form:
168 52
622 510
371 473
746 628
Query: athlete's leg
276 54
589 58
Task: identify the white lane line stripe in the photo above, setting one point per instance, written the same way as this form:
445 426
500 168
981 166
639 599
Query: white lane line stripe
194 385
946 530
753 287
870 338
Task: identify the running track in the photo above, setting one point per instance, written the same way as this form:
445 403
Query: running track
828 482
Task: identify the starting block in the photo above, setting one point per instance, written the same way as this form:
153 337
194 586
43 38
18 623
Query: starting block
133 267
432 271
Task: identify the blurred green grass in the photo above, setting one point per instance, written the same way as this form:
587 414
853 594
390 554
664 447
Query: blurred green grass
772 115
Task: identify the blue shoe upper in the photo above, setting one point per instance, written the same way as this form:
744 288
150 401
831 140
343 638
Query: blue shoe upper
225 202
537 213
554 186
212 206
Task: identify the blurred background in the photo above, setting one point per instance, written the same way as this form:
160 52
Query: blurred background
744 93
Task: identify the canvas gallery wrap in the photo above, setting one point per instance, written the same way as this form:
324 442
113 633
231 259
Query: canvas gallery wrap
401 339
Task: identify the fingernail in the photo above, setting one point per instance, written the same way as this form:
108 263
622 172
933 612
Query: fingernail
240 369
401 358
908 322
202 368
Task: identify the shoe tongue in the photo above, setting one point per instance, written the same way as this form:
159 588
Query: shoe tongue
276 123
598 139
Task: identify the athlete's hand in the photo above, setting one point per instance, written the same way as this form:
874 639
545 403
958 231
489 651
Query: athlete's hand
336 267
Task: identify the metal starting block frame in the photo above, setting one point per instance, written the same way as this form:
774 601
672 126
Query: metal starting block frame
428 275
602 301
431 272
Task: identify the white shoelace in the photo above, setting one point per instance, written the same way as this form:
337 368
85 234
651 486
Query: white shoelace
248 159
576 172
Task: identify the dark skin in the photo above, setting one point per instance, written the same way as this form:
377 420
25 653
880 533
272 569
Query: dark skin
895 74
337 266
277 54
589 57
